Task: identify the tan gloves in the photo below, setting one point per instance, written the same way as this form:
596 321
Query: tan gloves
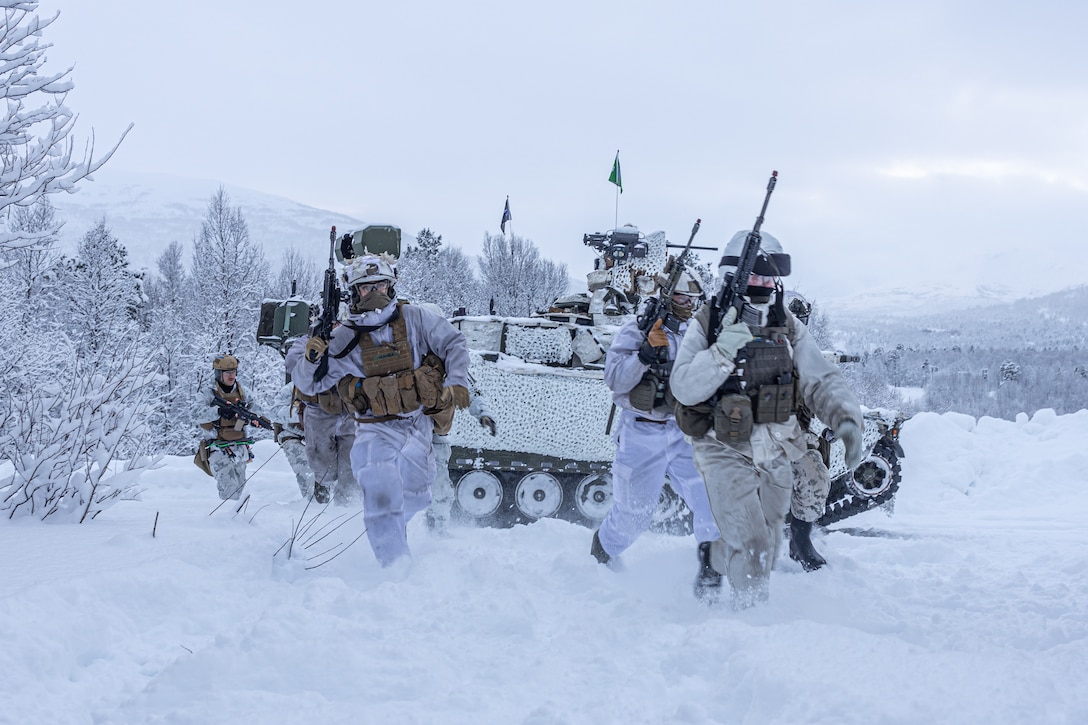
315 348
652 350
487 422
656 336
458 394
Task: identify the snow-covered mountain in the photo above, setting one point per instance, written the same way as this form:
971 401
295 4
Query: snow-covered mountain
149 211
916 300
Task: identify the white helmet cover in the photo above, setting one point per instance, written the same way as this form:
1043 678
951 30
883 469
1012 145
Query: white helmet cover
771 262
372 269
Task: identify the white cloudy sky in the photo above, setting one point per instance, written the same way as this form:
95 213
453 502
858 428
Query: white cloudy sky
946 130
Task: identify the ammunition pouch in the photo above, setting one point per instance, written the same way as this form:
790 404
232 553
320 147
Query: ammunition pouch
695 420
231 430
733 418
350 391
329 401
430 377
772 403
652 392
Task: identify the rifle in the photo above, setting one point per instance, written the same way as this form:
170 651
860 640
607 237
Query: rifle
330 307
658 307
731 293
242 412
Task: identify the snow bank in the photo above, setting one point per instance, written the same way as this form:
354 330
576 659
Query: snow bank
968 605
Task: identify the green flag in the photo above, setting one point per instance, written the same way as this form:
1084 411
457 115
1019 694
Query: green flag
614 177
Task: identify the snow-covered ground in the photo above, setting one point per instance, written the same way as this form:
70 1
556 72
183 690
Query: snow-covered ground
969 605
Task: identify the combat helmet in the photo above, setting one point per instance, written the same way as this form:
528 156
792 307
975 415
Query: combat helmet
222 364
771 261
687 285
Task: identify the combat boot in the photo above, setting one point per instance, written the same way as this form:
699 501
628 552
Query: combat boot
801 548
598 551
708 582
322 493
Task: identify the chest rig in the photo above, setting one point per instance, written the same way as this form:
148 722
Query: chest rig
761 388
652 392
392 386
228 429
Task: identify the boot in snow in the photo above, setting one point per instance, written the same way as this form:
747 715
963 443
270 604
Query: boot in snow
437 526
801 548
708 582
322 493
598 551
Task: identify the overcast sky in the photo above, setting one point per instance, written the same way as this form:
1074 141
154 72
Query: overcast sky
940 142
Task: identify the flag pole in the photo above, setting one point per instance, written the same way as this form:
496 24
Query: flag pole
617 179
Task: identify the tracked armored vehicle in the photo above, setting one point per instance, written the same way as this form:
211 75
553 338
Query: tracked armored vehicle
543 379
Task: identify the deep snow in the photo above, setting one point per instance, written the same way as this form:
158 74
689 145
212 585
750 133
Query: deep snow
969 605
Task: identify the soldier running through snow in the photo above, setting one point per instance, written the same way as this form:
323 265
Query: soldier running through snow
741 417
649 444
389 361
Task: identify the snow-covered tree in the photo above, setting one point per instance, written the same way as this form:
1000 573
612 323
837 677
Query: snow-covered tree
229 276
36 146
430 272
516 277
300 271
65 418
229 280
99 295
173 357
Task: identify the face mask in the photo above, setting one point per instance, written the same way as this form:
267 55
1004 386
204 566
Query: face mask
680 312
372 300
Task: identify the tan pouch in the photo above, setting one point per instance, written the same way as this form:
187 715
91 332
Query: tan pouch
371 388
350 391
443 420
390 394
330 401
409 400
201 458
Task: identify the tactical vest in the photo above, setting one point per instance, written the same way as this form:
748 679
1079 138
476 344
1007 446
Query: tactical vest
327 400
761 388
652 392
392 386
226 428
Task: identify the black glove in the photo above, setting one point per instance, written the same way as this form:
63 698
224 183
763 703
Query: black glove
227 413
647 354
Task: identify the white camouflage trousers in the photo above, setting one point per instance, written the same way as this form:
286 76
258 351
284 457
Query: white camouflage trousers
229 466
811 484
749 502
393 463
329 438
295 452
438 512
645 453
